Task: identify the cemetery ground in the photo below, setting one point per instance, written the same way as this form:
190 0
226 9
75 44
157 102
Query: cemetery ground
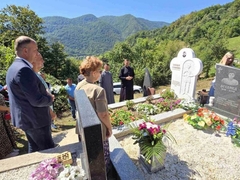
197 154
66 121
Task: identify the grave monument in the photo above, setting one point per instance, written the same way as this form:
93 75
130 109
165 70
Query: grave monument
185 70
147 84
226 99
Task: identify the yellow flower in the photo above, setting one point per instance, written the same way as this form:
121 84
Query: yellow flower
201 123
208 121
194 117
185 117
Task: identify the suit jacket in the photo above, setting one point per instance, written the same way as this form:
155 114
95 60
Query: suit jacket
28 99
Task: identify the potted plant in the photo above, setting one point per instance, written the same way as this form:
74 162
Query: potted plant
151 138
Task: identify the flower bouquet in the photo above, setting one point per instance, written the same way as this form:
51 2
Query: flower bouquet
51 169
167 104
233 129
120 117
150 138
204 119
147 109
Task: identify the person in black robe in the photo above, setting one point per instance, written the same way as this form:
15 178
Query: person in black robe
106 82
126 75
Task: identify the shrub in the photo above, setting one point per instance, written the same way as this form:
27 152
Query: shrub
167 94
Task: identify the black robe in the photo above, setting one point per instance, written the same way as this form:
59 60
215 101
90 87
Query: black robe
126 85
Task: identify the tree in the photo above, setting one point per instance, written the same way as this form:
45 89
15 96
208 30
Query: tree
55 61
6 58
16 21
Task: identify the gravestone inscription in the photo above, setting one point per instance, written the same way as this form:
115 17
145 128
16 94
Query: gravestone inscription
185 70
227 91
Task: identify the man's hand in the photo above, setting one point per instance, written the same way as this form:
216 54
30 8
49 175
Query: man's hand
53 97
129 78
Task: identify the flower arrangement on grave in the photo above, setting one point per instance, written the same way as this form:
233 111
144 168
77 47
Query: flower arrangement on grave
189 105
168 101
150 138
168 94
147 109
129 104
233 130
167 104
57 168
120 117
47 169
204 119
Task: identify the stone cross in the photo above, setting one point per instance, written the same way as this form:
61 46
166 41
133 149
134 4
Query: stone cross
185 70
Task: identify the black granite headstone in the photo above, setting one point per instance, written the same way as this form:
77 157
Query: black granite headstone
147 83
89 126
227 91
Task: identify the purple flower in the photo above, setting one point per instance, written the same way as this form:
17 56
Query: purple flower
231 129
161 100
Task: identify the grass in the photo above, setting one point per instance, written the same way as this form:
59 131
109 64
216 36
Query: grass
66 122
233 46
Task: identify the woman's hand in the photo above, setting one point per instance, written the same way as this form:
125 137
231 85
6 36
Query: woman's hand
108 133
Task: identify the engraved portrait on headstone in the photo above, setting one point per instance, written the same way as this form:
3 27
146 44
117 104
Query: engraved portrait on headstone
187 76
230 79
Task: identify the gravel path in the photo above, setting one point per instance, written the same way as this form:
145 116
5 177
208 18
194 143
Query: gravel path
197 155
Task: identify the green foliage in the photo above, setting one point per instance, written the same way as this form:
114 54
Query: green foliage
129 104
168 94
60 103
88 35
120 117
150 136
6 58
16 21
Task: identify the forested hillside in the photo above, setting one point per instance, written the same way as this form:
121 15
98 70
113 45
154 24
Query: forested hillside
210 32
88 35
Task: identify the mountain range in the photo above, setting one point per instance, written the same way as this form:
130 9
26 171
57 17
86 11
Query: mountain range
89 35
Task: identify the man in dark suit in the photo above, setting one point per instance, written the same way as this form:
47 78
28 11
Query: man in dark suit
28 98
126 75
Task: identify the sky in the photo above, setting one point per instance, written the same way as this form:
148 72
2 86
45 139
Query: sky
153 10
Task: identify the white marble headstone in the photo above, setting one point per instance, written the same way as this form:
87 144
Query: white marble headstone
185 70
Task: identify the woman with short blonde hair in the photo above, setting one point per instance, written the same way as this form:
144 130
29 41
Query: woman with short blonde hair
91 68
